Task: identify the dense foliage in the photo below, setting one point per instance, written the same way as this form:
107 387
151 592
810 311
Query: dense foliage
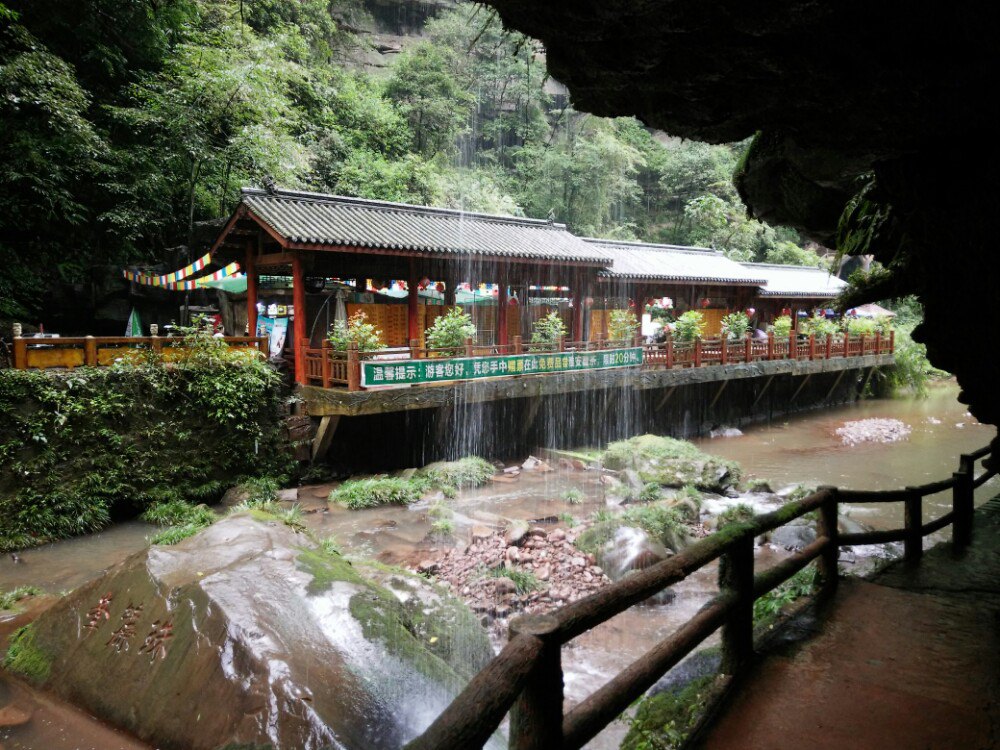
82 447
356 330
547 331
449 332
126 124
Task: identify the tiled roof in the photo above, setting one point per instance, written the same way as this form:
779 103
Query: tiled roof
796 281
645 261
316 218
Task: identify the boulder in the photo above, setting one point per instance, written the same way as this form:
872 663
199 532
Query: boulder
795 535
627 549
247 634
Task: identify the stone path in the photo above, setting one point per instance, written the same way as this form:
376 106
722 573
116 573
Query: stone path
910 659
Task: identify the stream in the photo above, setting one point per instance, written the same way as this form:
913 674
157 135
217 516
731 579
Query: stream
802 449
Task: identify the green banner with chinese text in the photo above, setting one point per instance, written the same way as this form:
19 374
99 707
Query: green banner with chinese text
412 371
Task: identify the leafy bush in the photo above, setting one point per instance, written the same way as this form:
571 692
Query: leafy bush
547 331
781 327
650 493
820 326
689 326
356 330
524 580
176 513
663 720
81 446
767 607
912 370
443 527
258 491
736 326
860 326
622 325
378 490
450 331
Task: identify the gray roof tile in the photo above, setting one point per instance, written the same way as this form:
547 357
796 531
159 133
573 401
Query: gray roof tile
646 261
316 218
797 281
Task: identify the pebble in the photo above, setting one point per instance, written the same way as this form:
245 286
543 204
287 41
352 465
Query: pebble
873 430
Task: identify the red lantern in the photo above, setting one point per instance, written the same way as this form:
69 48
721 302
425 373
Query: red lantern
440 287
706 302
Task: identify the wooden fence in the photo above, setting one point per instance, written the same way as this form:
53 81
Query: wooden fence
336 369
526 678
100 351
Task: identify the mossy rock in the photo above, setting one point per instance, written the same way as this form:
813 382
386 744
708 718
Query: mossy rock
671 463
300 647
664 719
467 472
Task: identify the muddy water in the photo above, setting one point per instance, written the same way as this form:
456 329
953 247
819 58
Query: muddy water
802 449
805 448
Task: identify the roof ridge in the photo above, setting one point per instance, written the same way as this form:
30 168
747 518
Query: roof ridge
657 246
784 265
400 207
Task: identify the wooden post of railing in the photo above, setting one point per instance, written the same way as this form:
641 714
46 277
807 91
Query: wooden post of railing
637 338
793 344
469 348
861 345
562 343
770 345
736 578
827 526
812 346
892 341
748 349
537 716
669 345
828 352
723 349
414 348
845 349
20 353
156 342
325 350
353 368
90 351
518 345
697 351
878 342
963 500
913 542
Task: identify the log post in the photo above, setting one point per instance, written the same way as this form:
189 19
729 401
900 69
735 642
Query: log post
812 346
770 345
827 526
353 368
963 503
325 351
470 350
828 353
793 344
20 353
90 351
299 322
537 716
670 350
518 345
748 349
157 345
414 348
736 578
913 543
697 351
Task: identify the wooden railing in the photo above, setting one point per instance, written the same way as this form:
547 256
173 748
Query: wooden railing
329 368
525 678
100 351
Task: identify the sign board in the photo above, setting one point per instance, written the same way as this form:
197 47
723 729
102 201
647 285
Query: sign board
412 371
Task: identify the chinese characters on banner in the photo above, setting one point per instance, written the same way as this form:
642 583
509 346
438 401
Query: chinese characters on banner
406 372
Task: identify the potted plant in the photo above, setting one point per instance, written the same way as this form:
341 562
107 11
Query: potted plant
736 326
689 326
449 332
546 332
355 330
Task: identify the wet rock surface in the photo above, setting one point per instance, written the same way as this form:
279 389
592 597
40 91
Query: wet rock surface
247 633
873 431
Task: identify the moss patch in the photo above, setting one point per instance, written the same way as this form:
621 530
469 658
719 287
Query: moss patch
672 463
25 658
378 490
663 721
325 567
470 471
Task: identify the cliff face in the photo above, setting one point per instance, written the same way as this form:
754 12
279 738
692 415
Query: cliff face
871 127
388 26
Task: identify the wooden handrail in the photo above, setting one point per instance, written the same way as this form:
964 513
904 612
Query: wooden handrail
532 654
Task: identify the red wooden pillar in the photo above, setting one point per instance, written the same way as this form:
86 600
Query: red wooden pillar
299 322
250 267
578 298
413 302
502 313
